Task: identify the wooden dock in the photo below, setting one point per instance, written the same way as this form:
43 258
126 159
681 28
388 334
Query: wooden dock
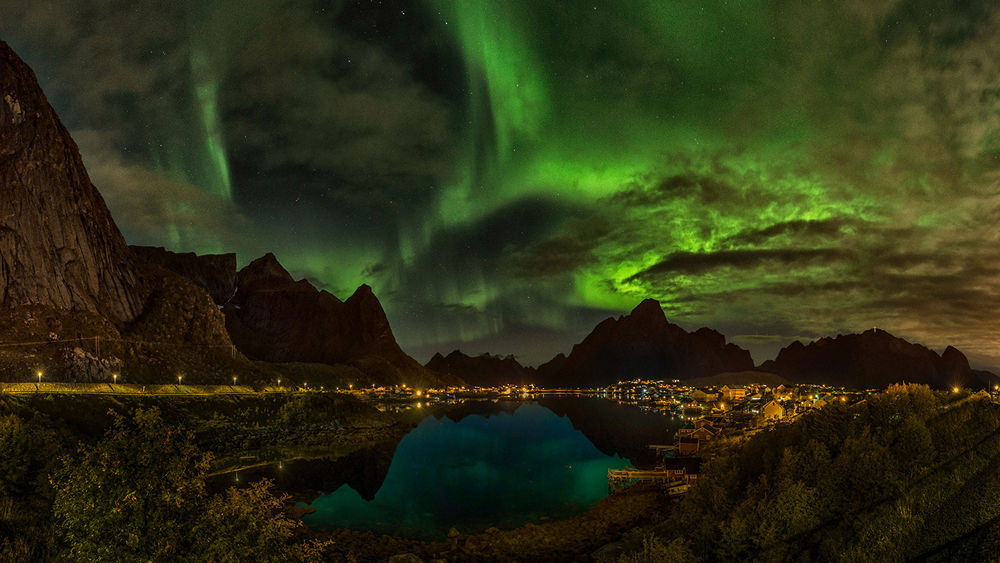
621 478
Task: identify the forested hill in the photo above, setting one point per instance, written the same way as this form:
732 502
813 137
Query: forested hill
907 474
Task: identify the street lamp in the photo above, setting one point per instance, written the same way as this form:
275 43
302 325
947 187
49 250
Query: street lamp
39 374
234 380
279 382
114 378
179 379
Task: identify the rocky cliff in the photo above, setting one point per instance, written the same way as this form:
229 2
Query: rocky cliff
68 282
484 370
643 344
216 273
271 317
874 359
59 247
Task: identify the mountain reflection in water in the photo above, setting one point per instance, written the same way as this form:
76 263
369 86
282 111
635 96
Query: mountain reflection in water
476 465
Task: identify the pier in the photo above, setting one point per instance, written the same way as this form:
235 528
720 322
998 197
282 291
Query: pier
620 478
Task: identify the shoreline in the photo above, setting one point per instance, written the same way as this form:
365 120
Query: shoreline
608 521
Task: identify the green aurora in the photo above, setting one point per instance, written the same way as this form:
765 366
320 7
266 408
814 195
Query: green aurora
505 174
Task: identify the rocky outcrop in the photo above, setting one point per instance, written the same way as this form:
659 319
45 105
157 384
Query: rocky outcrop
59 246
216 273
80 365
874 359
485 370
274 318
643 345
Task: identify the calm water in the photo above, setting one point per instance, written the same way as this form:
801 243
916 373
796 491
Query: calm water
472 471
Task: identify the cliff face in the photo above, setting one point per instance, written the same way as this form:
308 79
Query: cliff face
274 318
643 344
216 273
485 370
68 279
872 359
59 246
271 317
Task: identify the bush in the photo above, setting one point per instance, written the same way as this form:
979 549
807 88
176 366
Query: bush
139 495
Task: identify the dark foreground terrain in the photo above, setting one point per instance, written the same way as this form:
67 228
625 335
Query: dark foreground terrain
906 474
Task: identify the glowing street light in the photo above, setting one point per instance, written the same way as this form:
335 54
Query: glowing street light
39 374
179 377
234 380
279 382
114 378
954 389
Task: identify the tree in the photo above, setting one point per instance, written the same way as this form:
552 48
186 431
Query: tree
133 495
28 450
247 524
139 495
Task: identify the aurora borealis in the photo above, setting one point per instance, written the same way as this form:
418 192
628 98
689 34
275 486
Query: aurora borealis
505 174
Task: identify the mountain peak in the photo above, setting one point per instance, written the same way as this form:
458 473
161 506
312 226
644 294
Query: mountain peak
649 308
873 358
644 345
363 292
264 269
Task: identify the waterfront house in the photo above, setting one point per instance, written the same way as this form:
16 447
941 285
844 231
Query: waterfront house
773 411
686 468
703 396
728 393
687 446
704 433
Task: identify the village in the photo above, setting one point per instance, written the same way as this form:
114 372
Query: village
714 414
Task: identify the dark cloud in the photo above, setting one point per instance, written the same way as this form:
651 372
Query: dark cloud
798 229
694 263
564 253
707 190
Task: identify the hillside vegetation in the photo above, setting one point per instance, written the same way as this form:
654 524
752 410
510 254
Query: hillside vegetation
906 474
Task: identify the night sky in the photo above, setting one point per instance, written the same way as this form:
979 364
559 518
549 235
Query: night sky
507 173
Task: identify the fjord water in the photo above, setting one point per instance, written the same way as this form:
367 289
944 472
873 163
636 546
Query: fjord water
504 469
